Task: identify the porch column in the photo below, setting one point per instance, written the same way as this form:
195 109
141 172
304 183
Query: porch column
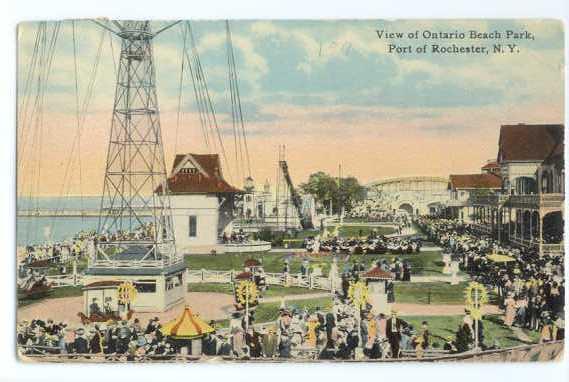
522 225
530 227
509 223
540 220
499 219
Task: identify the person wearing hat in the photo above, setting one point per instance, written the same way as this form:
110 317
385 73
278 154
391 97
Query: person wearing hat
209 344
224 347
510 304
124 335
110 338
253 343
68 338
426 334
449 345
95 340
393 332
80 345
94 307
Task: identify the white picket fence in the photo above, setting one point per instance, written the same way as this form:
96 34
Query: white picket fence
282 279
65 280
220 277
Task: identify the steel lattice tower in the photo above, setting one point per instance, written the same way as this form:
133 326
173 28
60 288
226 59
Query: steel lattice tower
135 187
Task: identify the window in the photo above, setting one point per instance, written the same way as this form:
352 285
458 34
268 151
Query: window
193 228
189 170
146 286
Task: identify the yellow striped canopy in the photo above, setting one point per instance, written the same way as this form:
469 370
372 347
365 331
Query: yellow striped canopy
497 258
187 326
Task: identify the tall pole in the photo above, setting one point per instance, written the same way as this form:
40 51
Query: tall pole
246 309
476 320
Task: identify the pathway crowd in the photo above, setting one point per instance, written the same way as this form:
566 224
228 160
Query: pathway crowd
530 288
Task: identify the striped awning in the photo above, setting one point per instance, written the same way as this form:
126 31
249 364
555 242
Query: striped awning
187 326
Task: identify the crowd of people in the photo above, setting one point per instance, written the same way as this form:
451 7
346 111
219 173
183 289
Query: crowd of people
236 237
373 244
342 333
374 210
112 339
530 288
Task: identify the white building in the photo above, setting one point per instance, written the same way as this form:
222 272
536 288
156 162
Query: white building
202 202
275 211
463 187
416 195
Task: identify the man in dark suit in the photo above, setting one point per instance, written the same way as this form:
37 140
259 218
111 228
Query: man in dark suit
393 332
80 344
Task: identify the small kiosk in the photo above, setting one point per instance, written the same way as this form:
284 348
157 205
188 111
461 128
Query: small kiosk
187 331
376 280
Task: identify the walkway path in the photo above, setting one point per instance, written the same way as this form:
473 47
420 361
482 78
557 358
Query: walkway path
519 333
435 278
289 297
214 306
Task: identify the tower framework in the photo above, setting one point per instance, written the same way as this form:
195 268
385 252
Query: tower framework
136 246
135 219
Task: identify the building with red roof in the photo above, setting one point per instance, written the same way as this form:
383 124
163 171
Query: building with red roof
463 186
202 202
528 210
521 150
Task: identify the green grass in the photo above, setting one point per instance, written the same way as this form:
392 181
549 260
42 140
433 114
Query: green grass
273 291
424 263
440 293
67 291
445 326
210 287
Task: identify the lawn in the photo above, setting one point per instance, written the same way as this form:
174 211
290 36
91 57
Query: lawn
273 291
423 263
435 293
67 291
444 326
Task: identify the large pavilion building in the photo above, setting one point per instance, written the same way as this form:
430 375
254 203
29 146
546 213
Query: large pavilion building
528 210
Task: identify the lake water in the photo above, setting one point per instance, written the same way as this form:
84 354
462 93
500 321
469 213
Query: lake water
36 230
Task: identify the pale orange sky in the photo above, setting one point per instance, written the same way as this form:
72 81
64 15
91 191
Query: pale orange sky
372 140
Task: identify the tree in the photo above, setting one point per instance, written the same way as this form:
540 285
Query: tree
350 191
326 190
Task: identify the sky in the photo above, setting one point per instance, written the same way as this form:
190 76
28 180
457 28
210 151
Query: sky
328 90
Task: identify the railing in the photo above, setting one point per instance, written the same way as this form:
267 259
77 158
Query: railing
456 203
488 200
536 201
552 248
130 263
248 246
280 279
544 248
65 280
